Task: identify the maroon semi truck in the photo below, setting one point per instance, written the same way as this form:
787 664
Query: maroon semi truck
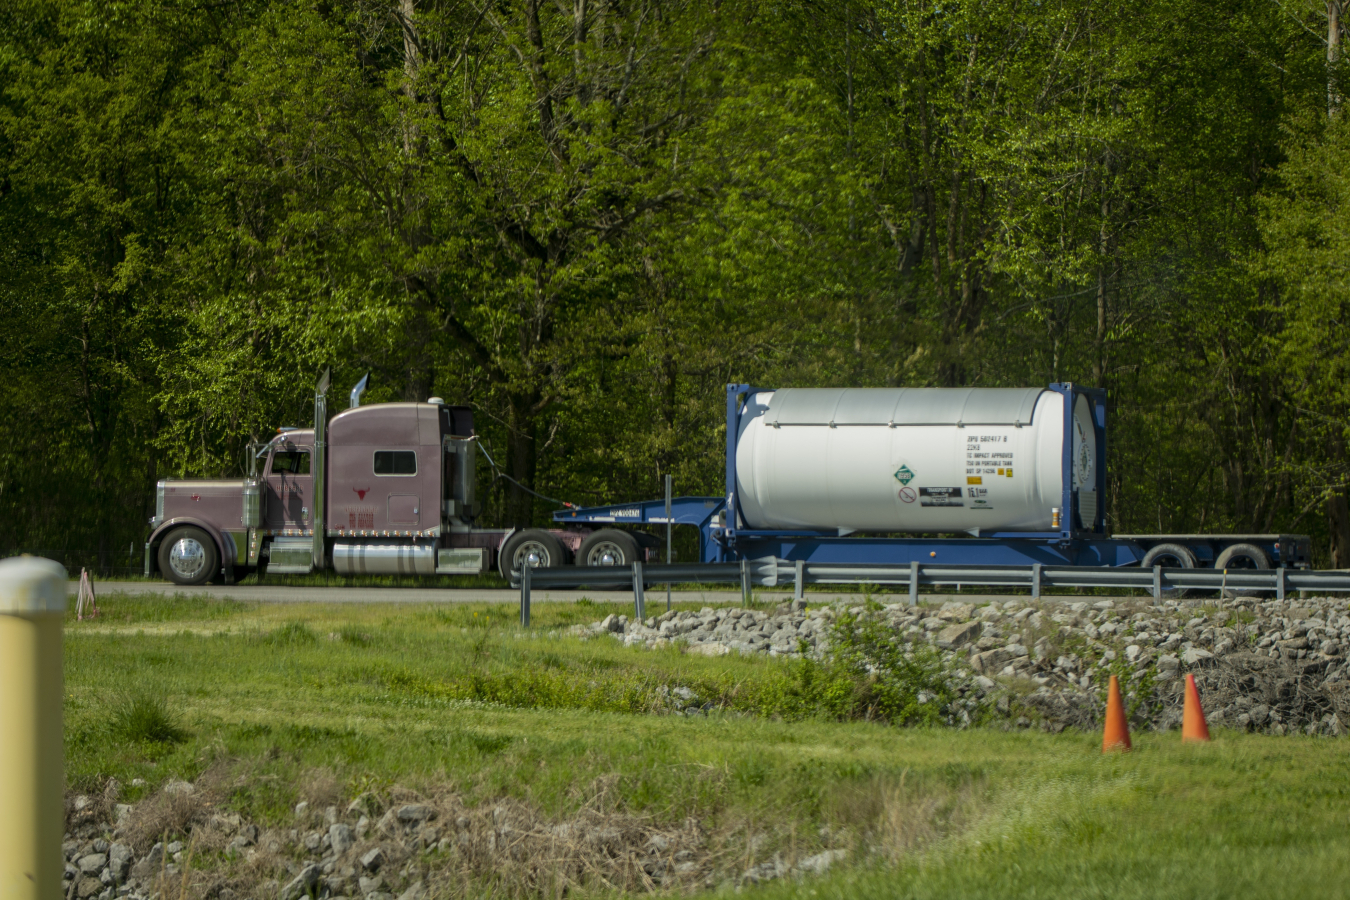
386 488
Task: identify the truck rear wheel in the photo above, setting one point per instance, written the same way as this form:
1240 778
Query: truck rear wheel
188 556
1170 556
535 548
609 547
1242 556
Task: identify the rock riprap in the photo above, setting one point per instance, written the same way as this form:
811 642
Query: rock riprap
1262 664
383 848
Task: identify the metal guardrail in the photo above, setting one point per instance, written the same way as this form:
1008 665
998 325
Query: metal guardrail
771 572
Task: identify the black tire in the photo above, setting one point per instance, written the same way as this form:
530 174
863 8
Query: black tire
1242 556
535 544
188 556
609 547
1170 556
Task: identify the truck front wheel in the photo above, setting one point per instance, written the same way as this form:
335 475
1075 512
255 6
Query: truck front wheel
188 556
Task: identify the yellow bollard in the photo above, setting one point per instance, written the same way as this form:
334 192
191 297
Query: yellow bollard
32 778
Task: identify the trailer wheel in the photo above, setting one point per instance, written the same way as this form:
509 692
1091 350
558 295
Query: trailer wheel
1243 556
609 547
1170 556
188 556
535 548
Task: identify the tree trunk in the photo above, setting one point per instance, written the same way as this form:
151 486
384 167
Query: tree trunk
521 462
1333 56
1338 524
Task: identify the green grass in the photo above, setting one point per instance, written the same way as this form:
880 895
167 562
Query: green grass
373 696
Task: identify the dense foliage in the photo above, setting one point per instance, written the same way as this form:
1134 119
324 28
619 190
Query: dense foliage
584 219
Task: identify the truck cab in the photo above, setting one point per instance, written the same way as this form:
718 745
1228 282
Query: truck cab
385 488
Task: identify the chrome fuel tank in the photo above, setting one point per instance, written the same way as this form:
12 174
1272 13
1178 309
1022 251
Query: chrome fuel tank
384 559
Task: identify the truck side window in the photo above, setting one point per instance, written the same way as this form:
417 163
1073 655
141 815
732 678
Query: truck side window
294 462
395 462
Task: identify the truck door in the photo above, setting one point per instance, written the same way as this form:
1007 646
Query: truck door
290 486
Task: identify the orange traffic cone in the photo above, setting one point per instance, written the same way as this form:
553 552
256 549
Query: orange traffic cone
1193 727
1116 735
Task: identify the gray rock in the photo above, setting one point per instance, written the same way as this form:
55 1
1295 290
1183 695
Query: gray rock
177 787
88 887
414 812
301 884
119 861
415 892
313 841
92 863
340 838
148 865
818 864
990 661
954 637
369 884
1168 663
1195 655
373 859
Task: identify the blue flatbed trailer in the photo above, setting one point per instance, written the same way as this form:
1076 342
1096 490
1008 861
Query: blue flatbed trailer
723 536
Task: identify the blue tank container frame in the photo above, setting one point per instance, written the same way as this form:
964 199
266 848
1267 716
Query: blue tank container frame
724 537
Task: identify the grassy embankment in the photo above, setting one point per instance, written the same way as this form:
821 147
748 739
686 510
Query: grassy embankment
451 697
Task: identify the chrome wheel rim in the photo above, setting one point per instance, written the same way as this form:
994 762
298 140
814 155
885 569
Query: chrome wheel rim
187 557
606 553
531 554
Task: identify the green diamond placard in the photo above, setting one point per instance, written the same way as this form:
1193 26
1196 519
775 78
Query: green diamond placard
904 475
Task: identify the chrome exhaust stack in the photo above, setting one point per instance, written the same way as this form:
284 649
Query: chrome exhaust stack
320 468
358 390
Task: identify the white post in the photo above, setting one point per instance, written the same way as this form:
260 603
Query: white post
32 606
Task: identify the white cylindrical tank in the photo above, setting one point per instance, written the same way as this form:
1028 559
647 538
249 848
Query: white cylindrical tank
979 460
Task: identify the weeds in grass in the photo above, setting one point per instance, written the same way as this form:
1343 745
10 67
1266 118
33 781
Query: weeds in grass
146 719
292 634
354 636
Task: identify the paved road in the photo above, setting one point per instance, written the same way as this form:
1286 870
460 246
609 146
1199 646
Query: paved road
266 593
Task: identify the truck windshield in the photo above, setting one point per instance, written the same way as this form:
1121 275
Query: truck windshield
294 462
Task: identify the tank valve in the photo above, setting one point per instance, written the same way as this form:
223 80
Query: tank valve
1054 517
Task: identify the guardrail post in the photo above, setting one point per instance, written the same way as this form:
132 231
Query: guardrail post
525 596
914 583
1279 583
639 596
745 582
1157 582
1035 581
32 813
798 590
